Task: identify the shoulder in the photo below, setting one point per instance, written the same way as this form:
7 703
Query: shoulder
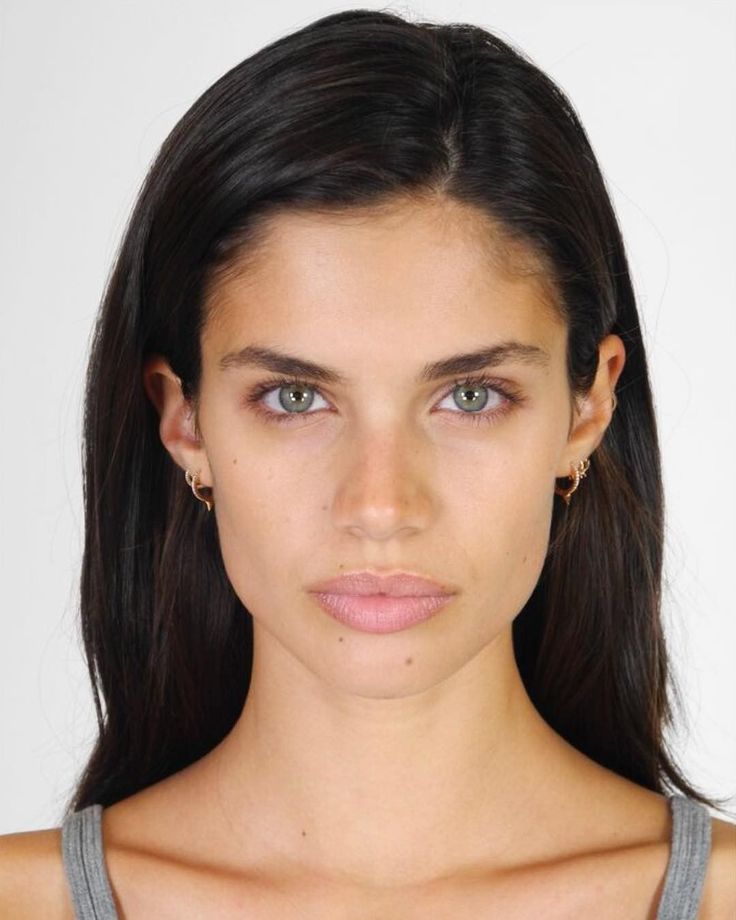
719 889
32 878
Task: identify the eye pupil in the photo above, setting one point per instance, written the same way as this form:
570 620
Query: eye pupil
474 394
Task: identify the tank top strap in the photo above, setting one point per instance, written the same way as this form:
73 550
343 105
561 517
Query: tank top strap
84 864
688 861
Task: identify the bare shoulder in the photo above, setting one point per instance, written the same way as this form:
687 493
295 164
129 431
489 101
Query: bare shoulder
719 889
32 879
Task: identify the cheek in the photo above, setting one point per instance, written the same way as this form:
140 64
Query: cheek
503 521
263 531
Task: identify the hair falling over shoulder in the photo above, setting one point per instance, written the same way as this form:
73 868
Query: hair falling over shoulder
458 113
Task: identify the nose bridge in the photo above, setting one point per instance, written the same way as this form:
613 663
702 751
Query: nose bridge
383 488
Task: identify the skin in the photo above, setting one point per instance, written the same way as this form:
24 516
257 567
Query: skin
406 774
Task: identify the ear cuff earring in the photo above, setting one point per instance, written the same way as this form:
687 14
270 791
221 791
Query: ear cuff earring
578 473
192 480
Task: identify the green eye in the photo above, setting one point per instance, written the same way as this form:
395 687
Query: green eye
292 396
471 398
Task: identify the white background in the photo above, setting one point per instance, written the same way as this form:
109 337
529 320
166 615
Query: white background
89 90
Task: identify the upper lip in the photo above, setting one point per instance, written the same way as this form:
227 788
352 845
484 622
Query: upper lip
398 584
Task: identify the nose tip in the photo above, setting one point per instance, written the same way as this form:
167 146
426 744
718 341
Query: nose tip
382 492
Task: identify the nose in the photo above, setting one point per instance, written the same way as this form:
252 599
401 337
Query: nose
383 490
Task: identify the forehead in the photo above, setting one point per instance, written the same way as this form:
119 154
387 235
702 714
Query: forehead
414 268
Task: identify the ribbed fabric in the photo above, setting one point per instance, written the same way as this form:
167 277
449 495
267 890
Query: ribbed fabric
89 883
84 862
688 862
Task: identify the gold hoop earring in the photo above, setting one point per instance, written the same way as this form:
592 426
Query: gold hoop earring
192 481
578 473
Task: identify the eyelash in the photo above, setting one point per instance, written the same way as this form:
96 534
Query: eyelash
512 398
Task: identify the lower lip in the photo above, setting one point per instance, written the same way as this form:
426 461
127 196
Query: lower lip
380 613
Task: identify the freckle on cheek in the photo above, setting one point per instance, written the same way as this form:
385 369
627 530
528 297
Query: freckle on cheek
409 660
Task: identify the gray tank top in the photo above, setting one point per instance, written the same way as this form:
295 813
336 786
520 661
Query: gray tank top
89 884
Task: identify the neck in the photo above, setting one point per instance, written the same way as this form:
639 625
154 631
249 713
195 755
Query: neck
390 791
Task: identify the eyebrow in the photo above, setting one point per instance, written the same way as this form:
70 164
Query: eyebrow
480 359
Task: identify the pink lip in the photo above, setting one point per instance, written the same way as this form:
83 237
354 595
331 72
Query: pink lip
399 584
381 613
381 603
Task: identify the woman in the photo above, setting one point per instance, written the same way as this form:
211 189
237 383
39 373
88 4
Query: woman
372 568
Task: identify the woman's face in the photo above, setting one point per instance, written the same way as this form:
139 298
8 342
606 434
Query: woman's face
384 469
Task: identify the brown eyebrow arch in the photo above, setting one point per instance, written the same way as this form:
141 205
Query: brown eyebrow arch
482 358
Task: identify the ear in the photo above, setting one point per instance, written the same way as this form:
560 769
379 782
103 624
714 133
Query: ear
176 426
593 415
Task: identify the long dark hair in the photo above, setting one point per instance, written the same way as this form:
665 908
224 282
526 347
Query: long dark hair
361 108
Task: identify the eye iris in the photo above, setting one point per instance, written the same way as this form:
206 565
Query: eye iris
464 390
291 402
